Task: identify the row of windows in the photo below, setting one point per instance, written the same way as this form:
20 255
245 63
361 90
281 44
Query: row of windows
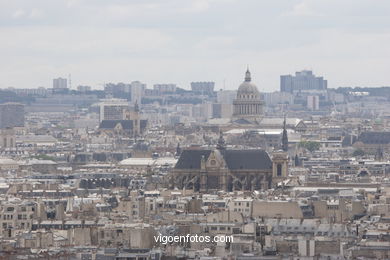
220 228
20 216
239 210
239 204
247 96
9 225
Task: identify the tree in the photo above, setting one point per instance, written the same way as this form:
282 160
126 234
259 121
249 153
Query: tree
310 145
358 152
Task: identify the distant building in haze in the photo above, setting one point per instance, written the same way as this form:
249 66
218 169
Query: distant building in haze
83 88
313 102
113 109
60 83
137 92
204 88
302 81
11 115
165 88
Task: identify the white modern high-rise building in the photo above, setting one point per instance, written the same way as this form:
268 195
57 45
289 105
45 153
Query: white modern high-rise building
313 102
226 96
137 91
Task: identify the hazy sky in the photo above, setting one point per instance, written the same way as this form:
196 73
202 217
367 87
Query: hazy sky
179 41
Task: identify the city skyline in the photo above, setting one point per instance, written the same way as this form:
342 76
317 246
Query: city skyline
183 41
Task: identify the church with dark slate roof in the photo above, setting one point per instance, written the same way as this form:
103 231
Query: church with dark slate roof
131 125
225 169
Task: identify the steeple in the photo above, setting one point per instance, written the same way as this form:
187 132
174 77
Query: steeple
284 136
248 75
136 107
178 150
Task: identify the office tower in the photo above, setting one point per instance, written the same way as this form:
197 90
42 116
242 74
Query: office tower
11 115
113 109
302 81
313 102
60 83
224 106
137 91
226 96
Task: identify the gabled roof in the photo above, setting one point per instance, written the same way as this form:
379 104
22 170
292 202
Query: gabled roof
111 124
126 124
190 159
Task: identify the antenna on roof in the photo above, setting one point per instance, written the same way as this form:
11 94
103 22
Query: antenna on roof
70 81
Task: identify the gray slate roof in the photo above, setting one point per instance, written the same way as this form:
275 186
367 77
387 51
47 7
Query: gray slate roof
235 159
375 138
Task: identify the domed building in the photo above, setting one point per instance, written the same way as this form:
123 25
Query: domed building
248 106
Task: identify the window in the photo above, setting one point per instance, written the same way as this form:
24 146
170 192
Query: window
279 170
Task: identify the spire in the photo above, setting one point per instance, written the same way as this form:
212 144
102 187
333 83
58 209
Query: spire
221 142
136 107
178 149
284 136
248 75
296 160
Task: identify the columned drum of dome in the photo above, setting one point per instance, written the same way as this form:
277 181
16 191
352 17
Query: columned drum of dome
248 106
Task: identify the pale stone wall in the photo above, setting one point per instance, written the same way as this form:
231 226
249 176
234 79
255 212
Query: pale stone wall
276 209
